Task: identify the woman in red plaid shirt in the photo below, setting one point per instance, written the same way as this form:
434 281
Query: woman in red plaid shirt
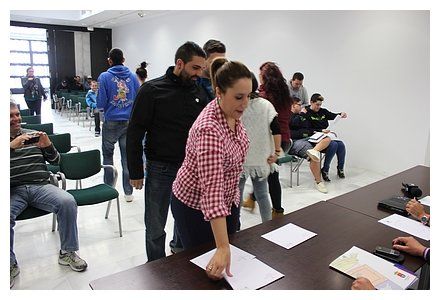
206 197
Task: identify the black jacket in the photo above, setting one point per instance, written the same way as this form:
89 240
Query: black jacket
165 109
32 89
319 120
300 127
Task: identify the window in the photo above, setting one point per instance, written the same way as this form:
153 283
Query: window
28 47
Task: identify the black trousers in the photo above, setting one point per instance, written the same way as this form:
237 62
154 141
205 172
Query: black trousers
273 181
193 230
34 106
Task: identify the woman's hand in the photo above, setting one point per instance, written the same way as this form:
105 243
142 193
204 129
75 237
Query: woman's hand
218 263
272 159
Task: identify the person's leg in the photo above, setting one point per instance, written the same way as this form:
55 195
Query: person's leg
109 138
18 205
262 197
158 186
322 144
38 106
193 229
31 105
97 121
329 154
340 154
316 171
275 191
51 198
122 140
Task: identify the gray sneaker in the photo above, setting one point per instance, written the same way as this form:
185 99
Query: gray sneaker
14 270
72 259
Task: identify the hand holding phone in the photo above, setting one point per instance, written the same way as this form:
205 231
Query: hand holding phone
34 138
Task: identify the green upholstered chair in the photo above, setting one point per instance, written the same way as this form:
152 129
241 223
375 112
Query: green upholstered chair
25 112
45 127
31 119
62 142
81 165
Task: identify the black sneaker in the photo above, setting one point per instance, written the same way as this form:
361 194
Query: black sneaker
341 173
325 175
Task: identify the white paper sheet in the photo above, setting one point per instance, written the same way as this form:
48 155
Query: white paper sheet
237 255
248 272
332 125
251 275
383 274
289 235
407 225
426 200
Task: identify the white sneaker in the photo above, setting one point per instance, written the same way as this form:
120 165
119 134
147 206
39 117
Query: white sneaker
321 187
129 198
314 155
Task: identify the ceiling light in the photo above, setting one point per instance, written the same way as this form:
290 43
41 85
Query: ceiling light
141 14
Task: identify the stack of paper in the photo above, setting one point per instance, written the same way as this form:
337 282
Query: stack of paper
248 272
382 274
426 200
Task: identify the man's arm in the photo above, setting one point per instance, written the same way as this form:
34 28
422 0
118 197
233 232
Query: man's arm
140 120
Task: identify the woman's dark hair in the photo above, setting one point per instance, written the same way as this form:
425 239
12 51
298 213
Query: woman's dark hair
274 85
141 72
254 93
225 73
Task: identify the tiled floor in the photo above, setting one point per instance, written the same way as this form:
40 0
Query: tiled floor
36 246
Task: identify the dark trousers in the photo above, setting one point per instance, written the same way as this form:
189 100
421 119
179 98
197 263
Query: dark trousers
273 181
34 106
97 121
193 230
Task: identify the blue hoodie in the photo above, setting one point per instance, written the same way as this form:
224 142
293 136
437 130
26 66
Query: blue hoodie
117 90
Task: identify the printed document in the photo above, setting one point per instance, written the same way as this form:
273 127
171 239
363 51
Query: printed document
289 235
407 225
426 200
383 274
248 272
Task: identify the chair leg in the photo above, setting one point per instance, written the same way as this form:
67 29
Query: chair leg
291 176
108 209
119 217
54 221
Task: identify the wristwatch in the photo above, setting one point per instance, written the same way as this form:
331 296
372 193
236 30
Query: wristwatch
425 220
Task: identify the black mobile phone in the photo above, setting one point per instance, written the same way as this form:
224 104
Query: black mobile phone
387 251
32 140
399 259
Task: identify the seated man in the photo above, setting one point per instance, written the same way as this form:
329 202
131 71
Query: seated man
30 186
300 132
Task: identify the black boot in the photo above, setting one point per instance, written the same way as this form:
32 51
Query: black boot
325 175
341 173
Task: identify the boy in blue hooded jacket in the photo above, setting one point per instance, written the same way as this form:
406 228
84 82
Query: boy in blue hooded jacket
118 87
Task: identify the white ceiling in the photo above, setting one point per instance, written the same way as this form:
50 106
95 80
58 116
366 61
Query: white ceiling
84 18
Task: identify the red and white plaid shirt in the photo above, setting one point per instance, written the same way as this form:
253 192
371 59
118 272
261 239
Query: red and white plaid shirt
208 178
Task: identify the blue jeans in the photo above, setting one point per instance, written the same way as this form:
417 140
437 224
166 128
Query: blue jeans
261 195
112 132
338 148
49 198
158 185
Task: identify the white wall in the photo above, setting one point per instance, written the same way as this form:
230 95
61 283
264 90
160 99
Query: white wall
374 65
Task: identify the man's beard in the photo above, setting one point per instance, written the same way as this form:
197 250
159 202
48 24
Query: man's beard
186 78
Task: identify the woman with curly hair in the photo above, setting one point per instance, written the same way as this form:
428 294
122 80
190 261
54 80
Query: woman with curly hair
274 88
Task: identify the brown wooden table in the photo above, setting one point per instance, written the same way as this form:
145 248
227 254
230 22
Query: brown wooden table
365 199
305 266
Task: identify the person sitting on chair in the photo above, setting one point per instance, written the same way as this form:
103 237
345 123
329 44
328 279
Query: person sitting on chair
300 132
30 186
319 118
